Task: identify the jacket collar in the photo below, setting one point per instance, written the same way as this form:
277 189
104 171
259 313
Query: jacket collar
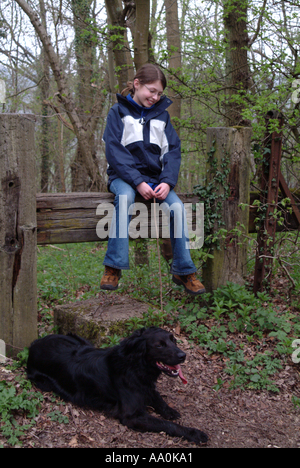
155 110
143 110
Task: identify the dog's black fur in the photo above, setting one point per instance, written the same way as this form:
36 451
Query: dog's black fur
119 380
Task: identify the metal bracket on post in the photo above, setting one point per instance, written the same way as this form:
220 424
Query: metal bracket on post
269 198
271 180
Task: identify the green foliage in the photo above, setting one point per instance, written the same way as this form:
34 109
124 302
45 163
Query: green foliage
58 416
15 402
21 360
19 401
233 311
254 374
295 401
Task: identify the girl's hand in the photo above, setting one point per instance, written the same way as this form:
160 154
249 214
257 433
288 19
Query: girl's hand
145 190
162 191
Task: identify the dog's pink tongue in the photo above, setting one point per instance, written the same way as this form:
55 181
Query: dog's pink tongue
181 374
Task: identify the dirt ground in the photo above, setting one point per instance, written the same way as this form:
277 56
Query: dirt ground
231 418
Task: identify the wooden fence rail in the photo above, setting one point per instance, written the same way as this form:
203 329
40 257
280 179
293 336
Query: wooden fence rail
71 217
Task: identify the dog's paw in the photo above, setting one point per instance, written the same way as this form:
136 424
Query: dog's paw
170 414
196 436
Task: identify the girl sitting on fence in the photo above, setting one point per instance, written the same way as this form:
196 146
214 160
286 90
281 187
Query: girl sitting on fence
143 154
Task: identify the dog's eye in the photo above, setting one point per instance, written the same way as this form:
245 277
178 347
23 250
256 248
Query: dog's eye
160 344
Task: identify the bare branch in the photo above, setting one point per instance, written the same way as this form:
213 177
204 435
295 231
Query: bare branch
59 115
254 37
25 89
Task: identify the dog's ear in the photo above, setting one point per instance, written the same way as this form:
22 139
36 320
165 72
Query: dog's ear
138 332
135 343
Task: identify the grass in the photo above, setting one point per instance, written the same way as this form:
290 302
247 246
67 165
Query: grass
63 270
71 272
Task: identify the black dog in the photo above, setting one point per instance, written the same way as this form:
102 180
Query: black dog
119 380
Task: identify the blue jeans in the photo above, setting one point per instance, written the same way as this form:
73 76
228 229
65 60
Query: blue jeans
117 255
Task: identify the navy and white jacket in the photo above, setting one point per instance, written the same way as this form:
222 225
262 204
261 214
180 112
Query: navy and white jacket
141 143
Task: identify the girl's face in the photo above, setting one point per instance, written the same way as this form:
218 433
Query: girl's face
149 94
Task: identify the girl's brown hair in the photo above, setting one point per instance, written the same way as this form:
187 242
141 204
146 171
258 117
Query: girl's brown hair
148 73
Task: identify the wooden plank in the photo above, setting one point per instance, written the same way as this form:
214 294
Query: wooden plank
74 222
76 200
49 215
73 200
63 236
71 217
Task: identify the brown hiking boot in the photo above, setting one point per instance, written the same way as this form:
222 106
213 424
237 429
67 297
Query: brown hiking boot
110 279
191 284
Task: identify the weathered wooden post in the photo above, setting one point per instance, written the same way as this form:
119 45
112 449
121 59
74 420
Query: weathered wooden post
228 173
18 281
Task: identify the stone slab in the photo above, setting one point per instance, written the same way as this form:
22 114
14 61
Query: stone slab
96 318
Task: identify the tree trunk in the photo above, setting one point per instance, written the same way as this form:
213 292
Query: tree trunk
44 87
141 36
119 40
60 156
85 57
228 169
174 51
237 69
18 233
